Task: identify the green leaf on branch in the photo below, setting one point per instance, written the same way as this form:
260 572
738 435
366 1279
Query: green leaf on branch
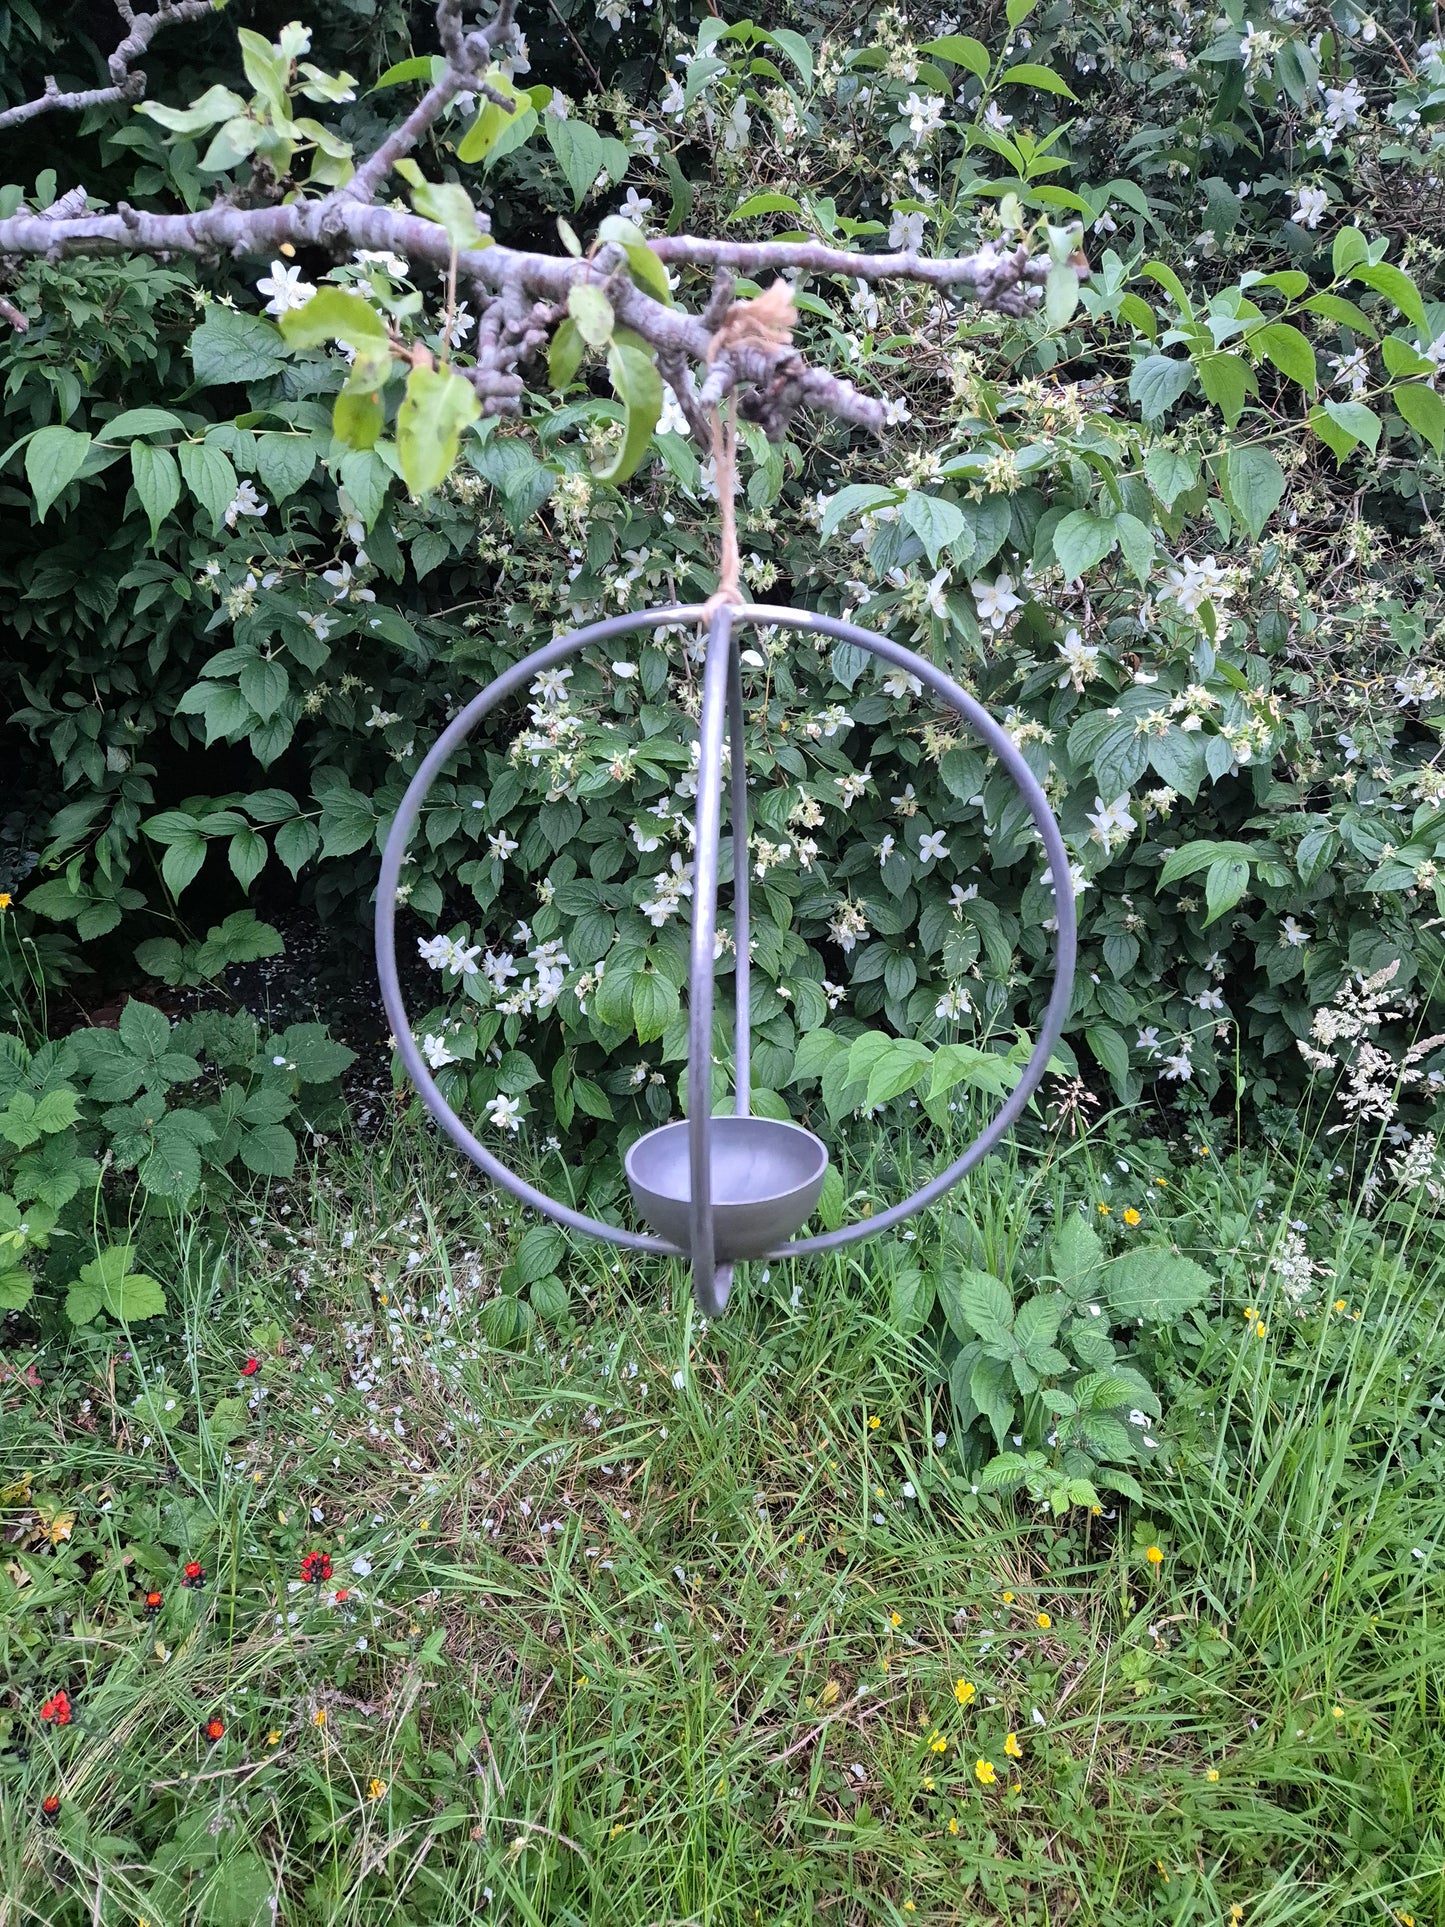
1423 409
638 386
157 482
655 1003
937 523
1082 539
647 271
210 478
53 459
493 120
591 313
437 406
1253 485
1290 352
233 347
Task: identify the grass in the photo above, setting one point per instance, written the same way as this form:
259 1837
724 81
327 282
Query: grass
643 1621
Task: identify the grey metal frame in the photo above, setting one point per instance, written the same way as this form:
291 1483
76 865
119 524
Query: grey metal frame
722 703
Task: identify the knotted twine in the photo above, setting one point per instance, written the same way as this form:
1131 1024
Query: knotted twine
766 322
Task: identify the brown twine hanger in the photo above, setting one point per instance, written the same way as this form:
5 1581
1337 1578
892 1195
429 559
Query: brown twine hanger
767 322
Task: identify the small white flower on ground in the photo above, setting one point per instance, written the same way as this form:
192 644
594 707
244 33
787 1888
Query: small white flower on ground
931 846
995 601
361 1567
1310 204
285 288
505 1112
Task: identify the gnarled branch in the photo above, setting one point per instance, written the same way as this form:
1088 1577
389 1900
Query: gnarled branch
127 83
522 295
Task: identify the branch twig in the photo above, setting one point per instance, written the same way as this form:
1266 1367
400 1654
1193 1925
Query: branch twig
127 83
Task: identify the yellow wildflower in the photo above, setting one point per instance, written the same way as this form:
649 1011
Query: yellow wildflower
614 1831
319 1716
1339 1304
1043 1622
830 1693
953 1825
1154 1556
909 1908
874 1422
273 1738
1106 1210
376 1789
895 1619
1012 1748
1163 1870
928 1783
1212 1775
984 1772
1008 1599
964 1691
1338 1711
4 899
1236 1914
1133 1217
938 1744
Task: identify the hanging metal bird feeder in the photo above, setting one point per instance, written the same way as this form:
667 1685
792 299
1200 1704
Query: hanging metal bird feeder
720 1189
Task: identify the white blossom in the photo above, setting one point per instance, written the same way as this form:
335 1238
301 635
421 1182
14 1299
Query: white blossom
505 1112
1310 204
285 288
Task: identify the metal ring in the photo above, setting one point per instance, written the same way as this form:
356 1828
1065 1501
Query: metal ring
983 725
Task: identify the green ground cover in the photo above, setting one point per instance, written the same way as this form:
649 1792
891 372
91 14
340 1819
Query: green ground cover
635 1619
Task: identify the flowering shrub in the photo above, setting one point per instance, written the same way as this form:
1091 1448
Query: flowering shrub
1174 528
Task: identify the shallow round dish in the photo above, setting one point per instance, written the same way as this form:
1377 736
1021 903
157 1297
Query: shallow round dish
766 1178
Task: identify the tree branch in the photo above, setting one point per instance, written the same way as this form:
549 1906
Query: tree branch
468 56
127 83
518 278
522 295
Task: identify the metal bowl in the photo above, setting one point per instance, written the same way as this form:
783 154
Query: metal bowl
766 1178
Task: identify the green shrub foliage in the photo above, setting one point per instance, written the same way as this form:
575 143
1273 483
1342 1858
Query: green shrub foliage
1178 530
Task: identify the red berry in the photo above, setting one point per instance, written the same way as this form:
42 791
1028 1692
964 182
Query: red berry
50 1808
250 1368
57 1709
